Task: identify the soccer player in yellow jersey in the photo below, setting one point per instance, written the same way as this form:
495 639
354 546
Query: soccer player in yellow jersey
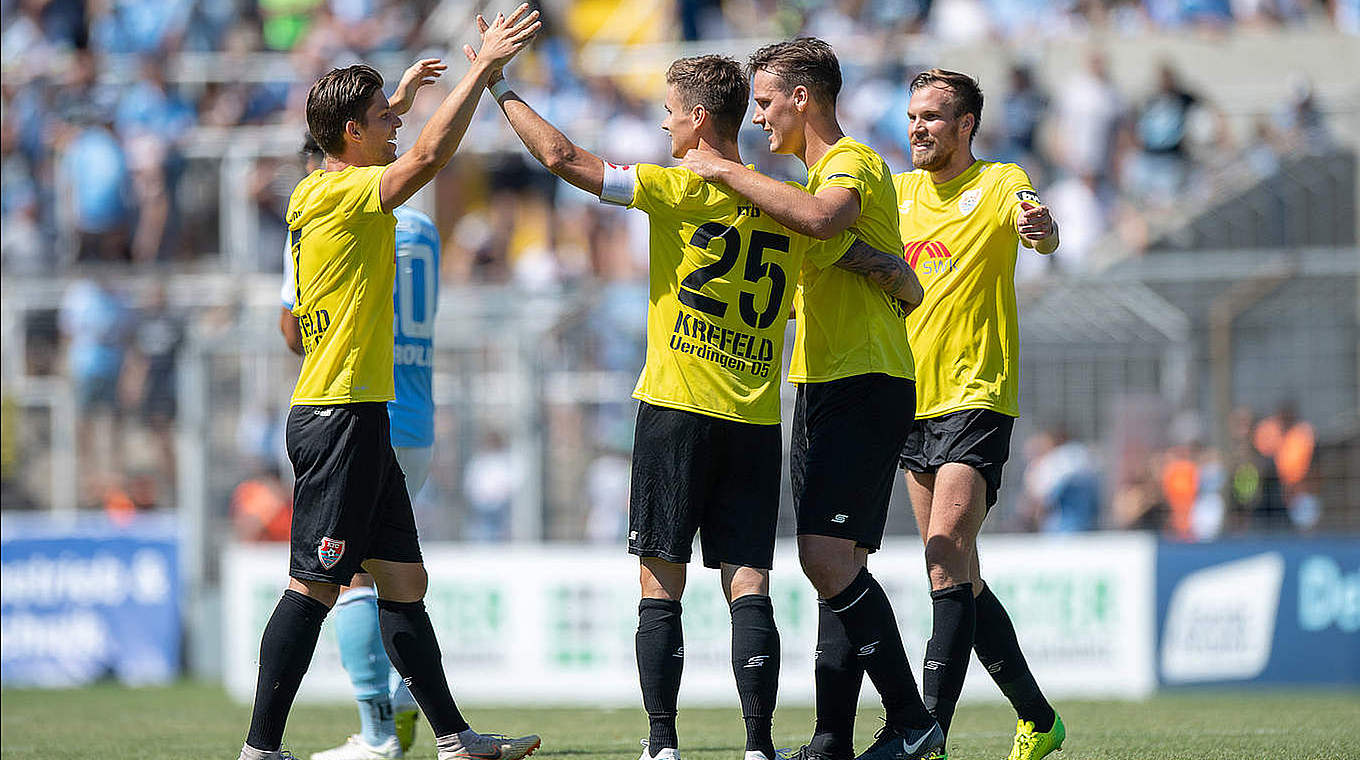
856 397
962 219
350 505
706 456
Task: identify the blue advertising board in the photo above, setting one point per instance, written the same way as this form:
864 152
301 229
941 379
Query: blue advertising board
88 599
1277 610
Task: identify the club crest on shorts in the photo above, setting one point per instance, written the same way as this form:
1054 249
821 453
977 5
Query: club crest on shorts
330 551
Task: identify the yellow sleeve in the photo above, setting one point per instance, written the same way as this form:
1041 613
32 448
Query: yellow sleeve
825 253
359 191
661 187
850 170
1015 188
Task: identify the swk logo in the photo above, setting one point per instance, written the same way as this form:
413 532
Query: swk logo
928 256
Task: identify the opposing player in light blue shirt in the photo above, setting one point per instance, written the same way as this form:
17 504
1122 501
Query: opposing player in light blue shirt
386 710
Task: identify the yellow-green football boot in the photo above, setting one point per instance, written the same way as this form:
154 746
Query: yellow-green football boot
1033 745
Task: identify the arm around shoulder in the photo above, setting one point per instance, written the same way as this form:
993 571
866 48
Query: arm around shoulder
889 272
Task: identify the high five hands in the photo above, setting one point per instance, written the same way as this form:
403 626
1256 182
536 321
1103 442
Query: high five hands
503 37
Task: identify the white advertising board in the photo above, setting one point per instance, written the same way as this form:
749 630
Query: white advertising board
554 624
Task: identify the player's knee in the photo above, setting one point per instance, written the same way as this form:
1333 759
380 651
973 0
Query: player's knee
326 593
947 560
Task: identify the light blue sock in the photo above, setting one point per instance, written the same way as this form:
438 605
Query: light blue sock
365 660
401 694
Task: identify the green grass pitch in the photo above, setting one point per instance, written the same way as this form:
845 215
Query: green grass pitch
198 722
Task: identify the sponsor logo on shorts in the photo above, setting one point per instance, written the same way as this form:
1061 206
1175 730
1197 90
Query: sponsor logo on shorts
868 649
679 652
933 665
632 535
330 551
322 412
840 519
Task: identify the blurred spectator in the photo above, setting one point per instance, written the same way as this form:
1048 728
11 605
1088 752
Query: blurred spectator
1162 126
1289 443
1299 123
151 370
489 483
1061 483
95 325
1022 111
1086 116
262 507
1254 486
1076 201
607 497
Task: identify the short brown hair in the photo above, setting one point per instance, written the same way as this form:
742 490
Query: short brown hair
715 82
967 93
806 61
338 98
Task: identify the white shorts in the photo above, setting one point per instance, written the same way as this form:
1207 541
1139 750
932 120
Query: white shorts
415 464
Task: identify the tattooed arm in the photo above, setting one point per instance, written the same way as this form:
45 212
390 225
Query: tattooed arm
885 270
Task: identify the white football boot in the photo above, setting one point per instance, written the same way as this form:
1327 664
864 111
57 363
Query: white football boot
669 753
470 745
355 748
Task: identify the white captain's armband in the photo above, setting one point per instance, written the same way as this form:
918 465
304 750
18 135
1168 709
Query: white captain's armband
619 184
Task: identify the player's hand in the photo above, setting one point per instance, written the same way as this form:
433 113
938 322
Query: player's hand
496 74
708 165
421 73
1034 223
503 37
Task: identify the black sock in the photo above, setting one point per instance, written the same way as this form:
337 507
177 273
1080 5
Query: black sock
947 652
838 674
413 649
999 652
755 663
868 618
660 644
286 648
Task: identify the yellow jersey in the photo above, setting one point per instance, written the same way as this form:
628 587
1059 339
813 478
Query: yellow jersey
342 244
961 240
846 324
721 281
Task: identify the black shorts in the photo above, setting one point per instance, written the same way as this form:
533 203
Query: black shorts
696 473
349 500
979 438
847 434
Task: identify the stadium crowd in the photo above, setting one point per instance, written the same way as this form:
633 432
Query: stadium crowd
104 118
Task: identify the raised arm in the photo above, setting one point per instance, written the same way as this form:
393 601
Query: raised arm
545 142
823 216
420 73
440 137
889 272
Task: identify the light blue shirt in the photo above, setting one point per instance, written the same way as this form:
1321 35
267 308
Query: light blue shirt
415 299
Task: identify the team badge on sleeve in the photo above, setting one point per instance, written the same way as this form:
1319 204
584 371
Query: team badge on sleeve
1028 195
330 551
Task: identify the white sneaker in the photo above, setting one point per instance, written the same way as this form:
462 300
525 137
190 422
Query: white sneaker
355 748
470 745
668 753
